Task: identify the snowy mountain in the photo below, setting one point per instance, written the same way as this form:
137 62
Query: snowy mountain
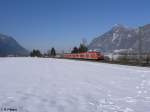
9 46
121 37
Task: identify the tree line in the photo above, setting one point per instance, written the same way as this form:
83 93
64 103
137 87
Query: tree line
37 53
82 48
52 52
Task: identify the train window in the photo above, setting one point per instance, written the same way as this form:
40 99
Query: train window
82 55
98 54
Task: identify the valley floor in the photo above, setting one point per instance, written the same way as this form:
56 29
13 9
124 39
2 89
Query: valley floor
59 85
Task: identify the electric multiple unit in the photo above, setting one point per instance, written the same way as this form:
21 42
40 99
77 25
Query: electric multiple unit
86 55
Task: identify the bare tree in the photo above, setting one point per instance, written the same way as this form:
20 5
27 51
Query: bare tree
84 41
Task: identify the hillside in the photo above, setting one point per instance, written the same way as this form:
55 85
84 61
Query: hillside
9 46
121 37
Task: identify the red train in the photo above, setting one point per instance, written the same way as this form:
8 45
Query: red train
86 55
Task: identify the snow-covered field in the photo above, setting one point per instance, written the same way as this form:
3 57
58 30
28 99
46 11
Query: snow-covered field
57 85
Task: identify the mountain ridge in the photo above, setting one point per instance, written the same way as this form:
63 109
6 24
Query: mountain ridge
121 37
9 46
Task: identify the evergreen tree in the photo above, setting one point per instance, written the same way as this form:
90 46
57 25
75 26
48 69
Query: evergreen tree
35 53
83 48
53 52
75 50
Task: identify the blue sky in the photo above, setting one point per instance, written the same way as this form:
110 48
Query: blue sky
63 23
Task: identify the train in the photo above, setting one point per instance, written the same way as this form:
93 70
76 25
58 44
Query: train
93 55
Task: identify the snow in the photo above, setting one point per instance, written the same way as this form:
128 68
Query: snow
59 85
115 36
129 35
